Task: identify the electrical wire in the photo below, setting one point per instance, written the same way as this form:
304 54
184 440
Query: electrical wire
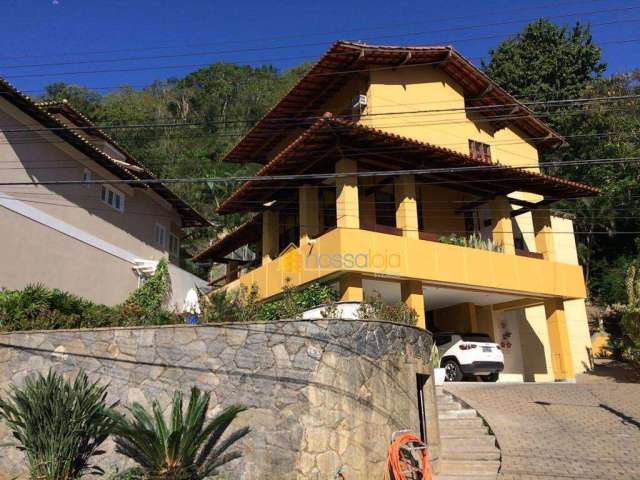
324 176
323 43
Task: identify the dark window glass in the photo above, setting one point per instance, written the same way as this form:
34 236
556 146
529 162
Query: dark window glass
385 209
475 337
442 339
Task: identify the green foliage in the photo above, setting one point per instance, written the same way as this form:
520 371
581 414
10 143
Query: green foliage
37 307
546 61
59 425
374 308
222 100
145 302
239 305
295 301
187 446
243 304
628 345
435 356
471 241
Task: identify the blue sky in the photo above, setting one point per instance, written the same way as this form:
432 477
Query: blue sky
104 39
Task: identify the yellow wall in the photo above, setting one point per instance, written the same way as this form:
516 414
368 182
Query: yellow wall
420 89
439 209
418 259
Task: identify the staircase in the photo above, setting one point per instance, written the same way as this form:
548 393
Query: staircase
468 449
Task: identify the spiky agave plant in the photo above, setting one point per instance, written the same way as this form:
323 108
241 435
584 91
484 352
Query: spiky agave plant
58 424
188 447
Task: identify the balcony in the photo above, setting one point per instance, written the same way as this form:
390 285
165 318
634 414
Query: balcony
387 254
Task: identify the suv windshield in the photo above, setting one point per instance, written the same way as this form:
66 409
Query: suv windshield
475 337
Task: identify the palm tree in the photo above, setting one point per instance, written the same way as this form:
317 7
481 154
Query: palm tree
59 425
188 448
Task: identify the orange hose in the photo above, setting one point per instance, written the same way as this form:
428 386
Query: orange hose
394 465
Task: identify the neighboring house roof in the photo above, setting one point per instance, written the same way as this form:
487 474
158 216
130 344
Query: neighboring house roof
250 231
131 169
343 59
318 141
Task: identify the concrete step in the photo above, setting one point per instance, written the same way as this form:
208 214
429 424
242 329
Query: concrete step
468 455
448 424
479 443
461 413
471 468
443 407
451 434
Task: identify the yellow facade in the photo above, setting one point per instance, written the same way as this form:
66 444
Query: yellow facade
540 299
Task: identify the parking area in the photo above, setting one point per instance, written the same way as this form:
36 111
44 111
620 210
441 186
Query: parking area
586 430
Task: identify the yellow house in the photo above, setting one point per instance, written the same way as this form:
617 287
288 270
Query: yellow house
385 159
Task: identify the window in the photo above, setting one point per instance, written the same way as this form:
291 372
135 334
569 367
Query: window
174 245
112 197
479 150
159 235
86 177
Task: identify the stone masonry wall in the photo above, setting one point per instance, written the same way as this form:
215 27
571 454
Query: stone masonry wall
322 395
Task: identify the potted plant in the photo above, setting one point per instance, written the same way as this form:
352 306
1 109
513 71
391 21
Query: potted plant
438 372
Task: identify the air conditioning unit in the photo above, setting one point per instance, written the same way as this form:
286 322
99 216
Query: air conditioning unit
359 102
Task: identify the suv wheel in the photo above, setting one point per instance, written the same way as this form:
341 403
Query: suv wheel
492 377
452 372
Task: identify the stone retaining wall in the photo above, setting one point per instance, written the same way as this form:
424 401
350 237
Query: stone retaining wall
322 395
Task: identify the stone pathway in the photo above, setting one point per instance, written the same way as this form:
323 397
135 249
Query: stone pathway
587 430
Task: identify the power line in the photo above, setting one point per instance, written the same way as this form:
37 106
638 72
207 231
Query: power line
272 60
581 102
322 176
178 161
235 41
316 44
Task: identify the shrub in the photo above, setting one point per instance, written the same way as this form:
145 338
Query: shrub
37 307
628 345
294 302
374 308
240 305
152 296
187 447
58 424
472 241
243 304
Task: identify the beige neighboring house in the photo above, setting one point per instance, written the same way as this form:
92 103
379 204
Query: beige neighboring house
98 241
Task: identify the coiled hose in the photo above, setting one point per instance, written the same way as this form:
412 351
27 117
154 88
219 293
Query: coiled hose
407 459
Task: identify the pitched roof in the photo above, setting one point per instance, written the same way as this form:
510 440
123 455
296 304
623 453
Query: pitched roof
131 169
344 59
248 232
322 136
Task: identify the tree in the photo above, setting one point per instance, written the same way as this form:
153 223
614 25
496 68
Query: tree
83 99
546 61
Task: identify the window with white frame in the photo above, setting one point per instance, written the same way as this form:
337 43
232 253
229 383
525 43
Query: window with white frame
86 177
174 245
112 197
159 235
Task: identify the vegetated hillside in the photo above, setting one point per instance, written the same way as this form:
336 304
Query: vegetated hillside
545 62
221 101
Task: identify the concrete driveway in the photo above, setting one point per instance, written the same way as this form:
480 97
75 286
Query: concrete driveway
587 430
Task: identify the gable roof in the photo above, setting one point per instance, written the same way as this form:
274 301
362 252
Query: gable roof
343 59
320 138
131 169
